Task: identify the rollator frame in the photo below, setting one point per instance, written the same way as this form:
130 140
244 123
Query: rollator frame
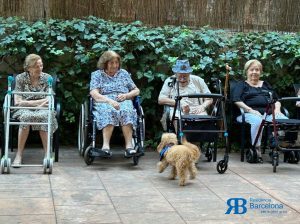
48 160
222 165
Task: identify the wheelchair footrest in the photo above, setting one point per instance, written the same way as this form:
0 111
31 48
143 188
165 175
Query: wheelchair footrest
138 154
96 152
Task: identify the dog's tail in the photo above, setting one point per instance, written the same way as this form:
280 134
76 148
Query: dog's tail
196 151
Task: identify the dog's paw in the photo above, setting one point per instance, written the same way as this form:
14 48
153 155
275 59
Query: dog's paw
182 183
192 176
172 177
160 167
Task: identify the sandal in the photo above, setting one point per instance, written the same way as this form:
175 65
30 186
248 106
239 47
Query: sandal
130 151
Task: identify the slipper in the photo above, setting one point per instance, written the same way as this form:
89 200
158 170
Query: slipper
17 163
130 151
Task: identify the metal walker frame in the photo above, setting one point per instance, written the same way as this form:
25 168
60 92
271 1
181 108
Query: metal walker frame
7 107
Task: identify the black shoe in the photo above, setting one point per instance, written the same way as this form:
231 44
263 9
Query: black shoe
260 160
129 152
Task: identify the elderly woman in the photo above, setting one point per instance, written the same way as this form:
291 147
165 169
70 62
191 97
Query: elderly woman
251 97
32 80
188 84
113 90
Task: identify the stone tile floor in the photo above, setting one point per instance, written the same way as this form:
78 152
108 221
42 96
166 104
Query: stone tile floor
113 191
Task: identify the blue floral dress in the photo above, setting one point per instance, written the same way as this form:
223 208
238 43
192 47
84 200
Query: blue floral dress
111 87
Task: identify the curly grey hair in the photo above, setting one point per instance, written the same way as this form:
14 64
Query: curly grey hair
106 57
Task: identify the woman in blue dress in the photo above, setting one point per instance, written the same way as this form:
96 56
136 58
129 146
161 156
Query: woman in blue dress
113 90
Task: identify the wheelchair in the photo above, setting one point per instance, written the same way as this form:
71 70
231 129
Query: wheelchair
203 128
8 107
87 133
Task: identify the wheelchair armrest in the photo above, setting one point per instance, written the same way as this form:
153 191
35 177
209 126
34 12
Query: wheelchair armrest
243 115
136 101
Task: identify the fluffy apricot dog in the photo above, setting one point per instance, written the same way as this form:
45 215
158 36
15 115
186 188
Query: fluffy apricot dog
182 158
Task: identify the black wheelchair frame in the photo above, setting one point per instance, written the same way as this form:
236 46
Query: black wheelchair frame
87 132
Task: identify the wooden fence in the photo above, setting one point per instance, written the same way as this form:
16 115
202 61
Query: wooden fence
235 15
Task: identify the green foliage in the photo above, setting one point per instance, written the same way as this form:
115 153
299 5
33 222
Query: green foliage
71 48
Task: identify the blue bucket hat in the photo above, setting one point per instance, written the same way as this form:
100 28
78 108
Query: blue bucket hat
182 66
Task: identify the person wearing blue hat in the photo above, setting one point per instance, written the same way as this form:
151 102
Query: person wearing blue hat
188 84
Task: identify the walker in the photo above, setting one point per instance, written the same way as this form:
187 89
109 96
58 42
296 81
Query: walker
7 107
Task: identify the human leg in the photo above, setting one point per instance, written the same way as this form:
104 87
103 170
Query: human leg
22 138
107 133
44 138
127 132
254 121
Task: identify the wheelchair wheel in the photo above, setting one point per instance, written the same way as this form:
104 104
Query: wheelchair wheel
88 159
82 129
142 125
222 166
293 157
251 156
209 152
135 160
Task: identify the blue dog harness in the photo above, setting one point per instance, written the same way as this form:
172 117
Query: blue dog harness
164 150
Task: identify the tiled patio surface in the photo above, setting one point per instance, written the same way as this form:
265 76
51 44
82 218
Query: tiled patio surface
112 191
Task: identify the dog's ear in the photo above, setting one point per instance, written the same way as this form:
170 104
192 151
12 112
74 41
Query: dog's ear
160 146
162 143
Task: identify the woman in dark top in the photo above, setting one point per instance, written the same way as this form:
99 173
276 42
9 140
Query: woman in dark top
251 97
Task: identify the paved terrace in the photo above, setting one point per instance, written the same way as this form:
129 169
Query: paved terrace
112 191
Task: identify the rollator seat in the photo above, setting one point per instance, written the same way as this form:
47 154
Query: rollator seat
198 117
288 121
288 124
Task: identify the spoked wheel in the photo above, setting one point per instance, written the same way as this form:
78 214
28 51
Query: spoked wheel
135 160
293 157
251 156
222 166
209 152
82 129
88 159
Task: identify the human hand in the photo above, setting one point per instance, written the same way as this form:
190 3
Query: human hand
186 109
43 103
277 111
115 104
121 97
256 112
